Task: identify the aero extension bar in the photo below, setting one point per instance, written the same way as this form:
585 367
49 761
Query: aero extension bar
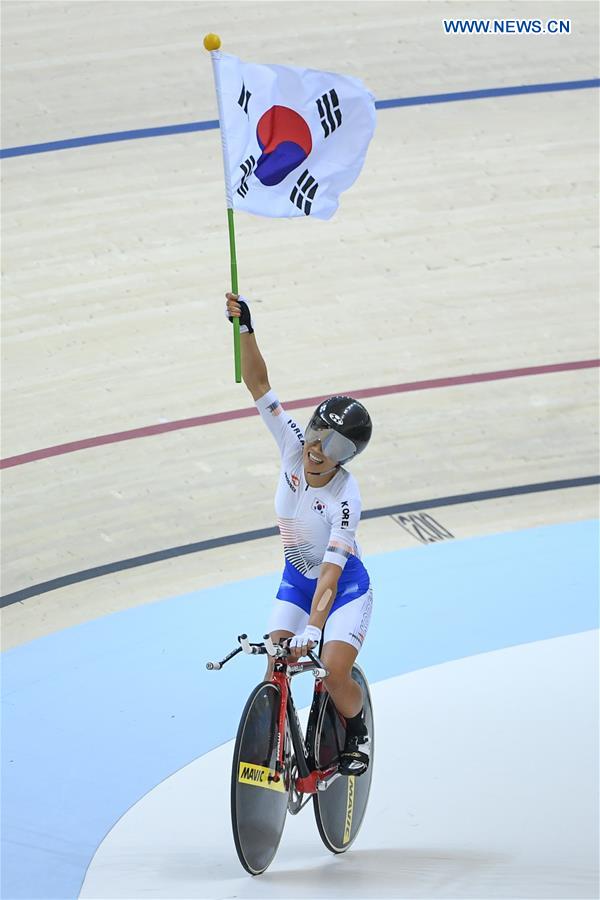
275 651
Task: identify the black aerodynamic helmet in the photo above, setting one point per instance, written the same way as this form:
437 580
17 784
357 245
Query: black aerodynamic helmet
343 426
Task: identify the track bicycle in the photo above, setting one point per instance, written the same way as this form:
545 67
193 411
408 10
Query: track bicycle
276 769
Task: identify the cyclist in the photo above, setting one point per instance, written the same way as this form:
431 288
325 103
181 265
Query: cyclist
325 589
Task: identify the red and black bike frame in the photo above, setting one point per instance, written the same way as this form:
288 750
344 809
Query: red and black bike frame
308 775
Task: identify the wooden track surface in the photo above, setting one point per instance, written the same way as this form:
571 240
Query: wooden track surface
467 245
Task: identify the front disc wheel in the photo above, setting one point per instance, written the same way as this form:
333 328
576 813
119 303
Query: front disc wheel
259 794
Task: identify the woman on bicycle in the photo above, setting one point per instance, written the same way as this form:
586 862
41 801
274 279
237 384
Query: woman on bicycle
325 588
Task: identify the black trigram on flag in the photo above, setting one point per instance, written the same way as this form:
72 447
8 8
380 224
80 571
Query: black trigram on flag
329 111
244 97
247 168
304 192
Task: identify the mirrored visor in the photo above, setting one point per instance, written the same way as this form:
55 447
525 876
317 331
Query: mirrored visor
334 445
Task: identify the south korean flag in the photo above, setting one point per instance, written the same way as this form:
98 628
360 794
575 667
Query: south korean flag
293 139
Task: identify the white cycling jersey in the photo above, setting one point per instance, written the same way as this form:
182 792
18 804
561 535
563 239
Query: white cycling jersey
316 524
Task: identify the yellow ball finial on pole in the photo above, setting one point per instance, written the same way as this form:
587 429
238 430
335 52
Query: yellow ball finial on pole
212 41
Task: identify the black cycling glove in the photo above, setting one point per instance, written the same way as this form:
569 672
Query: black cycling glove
246 326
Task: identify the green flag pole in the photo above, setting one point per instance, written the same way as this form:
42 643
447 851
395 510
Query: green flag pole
212 42
237 350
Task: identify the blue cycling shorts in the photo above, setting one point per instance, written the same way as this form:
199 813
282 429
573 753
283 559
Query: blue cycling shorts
296 588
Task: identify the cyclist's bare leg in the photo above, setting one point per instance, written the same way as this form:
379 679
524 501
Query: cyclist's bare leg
276 637
338 657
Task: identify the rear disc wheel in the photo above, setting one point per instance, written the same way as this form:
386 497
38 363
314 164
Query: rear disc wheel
340 809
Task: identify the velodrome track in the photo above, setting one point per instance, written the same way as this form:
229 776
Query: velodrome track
454 290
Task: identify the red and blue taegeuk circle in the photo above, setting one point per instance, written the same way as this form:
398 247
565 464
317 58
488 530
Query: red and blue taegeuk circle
285 140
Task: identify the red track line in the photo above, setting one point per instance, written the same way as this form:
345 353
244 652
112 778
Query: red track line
212 418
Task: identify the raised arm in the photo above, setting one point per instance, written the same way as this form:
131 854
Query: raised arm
254 368
287 434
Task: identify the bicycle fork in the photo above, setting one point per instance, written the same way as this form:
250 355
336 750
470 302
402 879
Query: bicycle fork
281 680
